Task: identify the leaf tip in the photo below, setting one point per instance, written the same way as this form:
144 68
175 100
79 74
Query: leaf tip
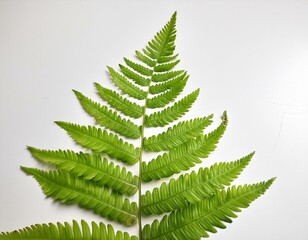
110 69
30 149
174 15
77 93
34 151
271 181
246 159
26 170
224 118
250 155
61 124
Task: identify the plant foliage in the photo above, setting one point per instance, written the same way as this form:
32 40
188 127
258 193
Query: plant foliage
149 91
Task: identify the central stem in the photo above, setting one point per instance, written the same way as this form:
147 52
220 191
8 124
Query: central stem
159 53
141 154
140 164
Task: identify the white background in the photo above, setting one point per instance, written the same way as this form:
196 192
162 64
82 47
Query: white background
247 57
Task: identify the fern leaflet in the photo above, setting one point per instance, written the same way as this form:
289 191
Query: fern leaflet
170 114
177 135
108 118
192 188
195 221
66 188
183 157
90 167
120 103
102 142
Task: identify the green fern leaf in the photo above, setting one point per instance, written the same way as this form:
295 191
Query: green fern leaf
90 167
108 118
195 221
183 157
170 114
102 142
177 135
138 68
143 58
125 86
167 97
140 80
164 59
162 87
198 201
192 188
163 77
150 53
120 103
166 66
68 189
66 231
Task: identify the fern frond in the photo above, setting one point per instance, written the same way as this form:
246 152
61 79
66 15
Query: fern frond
125 86
177 135
62 231
140 80
164 59
192 188
107 118
164 67
138 68
197 220
183 157
170 114
163 77
195 203
150 53
68 189
102 142
166 97
120 103
162 87
143 58
90 167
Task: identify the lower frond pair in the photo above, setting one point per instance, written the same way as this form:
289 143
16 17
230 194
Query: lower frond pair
60 231
198 220
66 188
